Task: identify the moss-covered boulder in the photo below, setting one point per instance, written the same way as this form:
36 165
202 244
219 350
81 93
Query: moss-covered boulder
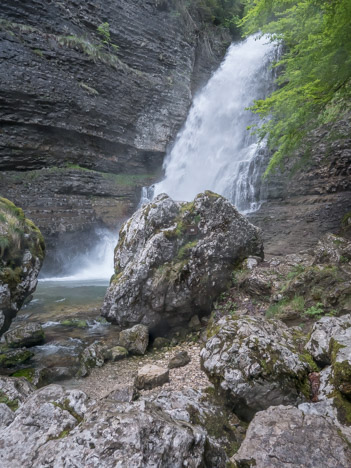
29 334
255 364
14 357
14 391
330 345
22 252
174 258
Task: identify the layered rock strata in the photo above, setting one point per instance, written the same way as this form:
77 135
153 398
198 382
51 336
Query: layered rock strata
70 97
310 195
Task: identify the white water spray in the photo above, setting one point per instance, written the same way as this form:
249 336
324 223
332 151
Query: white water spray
96 265
214 150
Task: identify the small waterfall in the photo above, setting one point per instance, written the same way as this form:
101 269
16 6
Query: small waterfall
214 150
96 264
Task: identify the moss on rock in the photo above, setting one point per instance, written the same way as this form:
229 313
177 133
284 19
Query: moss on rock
12 404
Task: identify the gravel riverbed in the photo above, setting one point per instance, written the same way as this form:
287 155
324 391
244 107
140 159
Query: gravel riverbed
103 380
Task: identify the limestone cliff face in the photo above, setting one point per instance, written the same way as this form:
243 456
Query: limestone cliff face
66 98
310 195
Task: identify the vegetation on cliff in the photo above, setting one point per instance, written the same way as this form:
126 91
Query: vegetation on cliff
314 84
221 12
16 234
22 252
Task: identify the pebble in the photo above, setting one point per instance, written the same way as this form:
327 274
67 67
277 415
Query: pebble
103 380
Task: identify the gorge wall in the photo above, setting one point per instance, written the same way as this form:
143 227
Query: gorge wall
310 194
85 125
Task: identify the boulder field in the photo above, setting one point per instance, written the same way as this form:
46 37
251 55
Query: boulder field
270 387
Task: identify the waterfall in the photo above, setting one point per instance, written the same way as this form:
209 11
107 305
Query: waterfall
214 150
95 263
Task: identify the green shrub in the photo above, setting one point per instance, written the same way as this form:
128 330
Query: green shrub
315 311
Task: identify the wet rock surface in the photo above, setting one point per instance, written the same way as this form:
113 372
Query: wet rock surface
22 252
164 273
29 334
11 358
285 436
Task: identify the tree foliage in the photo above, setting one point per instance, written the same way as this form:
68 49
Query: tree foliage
314 84
104 32
221 12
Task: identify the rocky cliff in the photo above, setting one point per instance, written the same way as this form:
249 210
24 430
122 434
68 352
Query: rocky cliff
22 252
310 195
111 104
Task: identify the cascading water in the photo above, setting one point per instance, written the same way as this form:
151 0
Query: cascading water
94 265
214 150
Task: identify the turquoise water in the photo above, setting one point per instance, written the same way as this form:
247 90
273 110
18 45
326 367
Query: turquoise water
56 301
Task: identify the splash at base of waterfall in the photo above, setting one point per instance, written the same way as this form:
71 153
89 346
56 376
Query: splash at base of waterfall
96 265
214 150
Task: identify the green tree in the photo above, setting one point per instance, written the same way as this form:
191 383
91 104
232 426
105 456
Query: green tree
220 12
104 32
314 84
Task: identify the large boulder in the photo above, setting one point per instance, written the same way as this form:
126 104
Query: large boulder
330 344
57 427
174 258
22 251
284 436
47 415
225 431
255 363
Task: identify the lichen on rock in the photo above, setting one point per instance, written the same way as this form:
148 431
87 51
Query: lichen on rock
255 364
174 258
285 436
